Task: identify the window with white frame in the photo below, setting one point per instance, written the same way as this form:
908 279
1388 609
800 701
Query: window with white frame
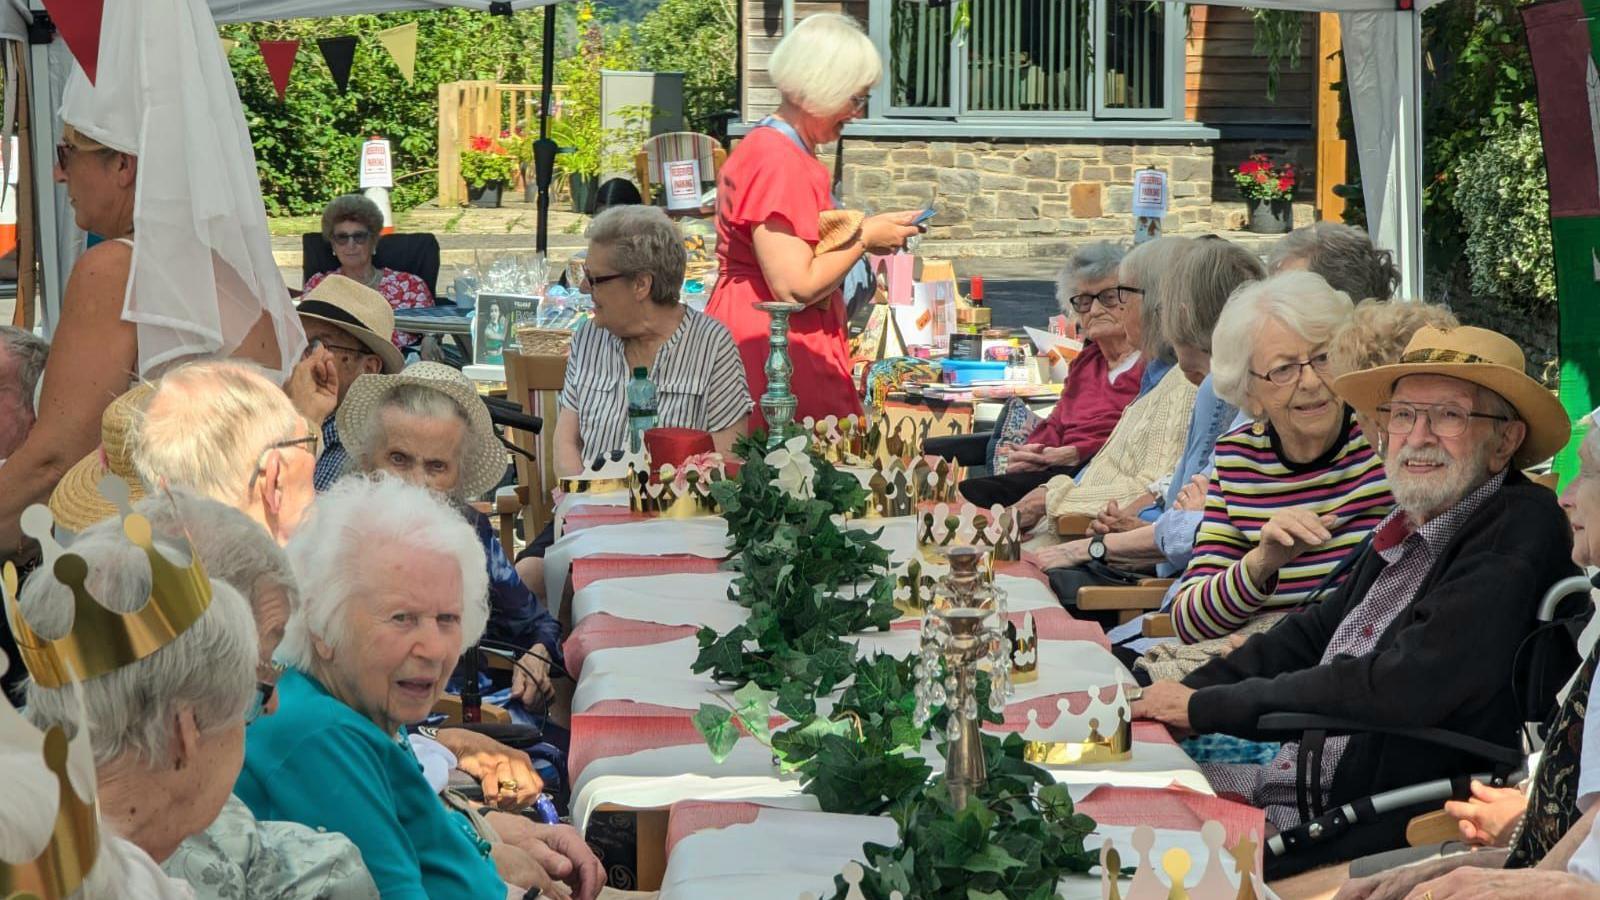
1027 59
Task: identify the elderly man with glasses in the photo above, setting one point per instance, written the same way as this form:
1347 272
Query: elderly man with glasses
1426 629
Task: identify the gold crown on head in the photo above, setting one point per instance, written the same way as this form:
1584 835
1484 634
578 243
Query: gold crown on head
99 640
63 862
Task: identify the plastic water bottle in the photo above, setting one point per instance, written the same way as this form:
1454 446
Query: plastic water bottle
641 407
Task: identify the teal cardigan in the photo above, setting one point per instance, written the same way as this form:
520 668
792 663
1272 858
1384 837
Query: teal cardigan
318 762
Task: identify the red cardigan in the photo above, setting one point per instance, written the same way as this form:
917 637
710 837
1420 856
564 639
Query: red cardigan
1090 405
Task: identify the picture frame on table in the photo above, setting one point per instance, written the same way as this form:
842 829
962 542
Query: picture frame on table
494 324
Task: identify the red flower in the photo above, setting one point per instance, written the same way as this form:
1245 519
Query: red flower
481 144
1285 184
1261 178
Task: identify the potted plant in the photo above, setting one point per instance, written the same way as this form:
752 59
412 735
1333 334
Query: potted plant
487 168
519 145
578 162
1268 190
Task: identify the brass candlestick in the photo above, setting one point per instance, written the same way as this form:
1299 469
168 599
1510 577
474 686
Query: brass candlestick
777 402
963 627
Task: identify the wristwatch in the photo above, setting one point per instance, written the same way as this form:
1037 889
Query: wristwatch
1097 548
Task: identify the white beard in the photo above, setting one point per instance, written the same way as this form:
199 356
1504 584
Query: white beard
1424 496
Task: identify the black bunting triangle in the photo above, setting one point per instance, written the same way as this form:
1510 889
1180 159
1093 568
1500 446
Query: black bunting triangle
339 53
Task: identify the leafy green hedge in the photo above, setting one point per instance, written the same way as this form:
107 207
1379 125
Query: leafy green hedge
1502 199
307 148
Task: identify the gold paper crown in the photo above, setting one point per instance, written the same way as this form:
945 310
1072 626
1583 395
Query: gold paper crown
851 441
99 640
1215 882
995 531
674 492
1024 652
1102 733
63 864
897 488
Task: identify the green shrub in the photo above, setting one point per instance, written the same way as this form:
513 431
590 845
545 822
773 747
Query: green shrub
1501 195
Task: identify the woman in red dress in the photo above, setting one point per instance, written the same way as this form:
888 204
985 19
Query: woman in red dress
770 193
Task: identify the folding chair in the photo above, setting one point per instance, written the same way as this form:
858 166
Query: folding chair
677 146
534 383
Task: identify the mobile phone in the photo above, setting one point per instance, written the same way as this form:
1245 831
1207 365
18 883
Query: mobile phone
924 216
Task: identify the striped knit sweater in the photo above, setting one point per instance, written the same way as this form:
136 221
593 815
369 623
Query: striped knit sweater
1252 483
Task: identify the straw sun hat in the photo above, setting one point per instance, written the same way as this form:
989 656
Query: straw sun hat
1483 357
359 311
77 502
483 461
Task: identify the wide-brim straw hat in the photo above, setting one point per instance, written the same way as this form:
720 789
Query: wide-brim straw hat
483 459
76 501
359 311
1477 355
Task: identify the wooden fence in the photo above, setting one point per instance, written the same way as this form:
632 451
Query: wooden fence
469 109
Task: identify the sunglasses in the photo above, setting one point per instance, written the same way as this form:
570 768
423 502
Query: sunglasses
346 238
65 152
317 343
594 281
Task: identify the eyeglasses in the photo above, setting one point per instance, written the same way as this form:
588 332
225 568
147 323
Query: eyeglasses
267 676
1110 298
351 237
1289 373
1444 419
317 343
65 152
308 443
594 281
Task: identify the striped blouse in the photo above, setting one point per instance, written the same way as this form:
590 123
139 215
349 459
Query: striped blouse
698 377
1252 483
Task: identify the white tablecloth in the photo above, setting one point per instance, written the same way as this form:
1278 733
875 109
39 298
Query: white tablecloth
706 537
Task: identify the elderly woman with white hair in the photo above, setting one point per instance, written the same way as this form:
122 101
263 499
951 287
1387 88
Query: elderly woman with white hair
427 426
1297 490
772 243
399 589
167 727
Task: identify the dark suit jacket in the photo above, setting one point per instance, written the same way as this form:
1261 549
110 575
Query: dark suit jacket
1445 662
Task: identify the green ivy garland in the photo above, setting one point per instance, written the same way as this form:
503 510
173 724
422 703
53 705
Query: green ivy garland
1015 840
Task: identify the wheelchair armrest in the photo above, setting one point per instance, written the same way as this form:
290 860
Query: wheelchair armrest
1105 597
1302 722
1073 525
1158 625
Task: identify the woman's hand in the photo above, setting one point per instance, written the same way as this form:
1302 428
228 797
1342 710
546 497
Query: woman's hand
506 774
1031 508
1115 519
1505 884
888 232
1058 556
530 679
313 386
1192 498
518 867
1168 703
1490 815
1284 538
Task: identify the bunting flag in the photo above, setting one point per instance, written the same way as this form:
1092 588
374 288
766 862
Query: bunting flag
78 23
279 57
1566 70
228 46
401 42
339 53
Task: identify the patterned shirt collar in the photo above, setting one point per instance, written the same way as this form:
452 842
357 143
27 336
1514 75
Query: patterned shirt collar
331 464
1397 529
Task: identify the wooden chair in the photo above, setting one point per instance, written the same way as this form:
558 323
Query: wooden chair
449 706
534 383
1128 603
675 147
503 510
1073 525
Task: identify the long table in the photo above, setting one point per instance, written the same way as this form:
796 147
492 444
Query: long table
638 589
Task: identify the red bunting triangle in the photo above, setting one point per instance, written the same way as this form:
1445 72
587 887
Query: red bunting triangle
279 56
78 23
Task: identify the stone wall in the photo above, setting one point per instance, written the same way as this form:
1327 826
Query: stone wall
1055 189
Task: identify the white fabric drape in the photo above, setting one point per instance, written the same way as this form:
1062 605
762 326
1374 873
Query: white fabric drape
203 271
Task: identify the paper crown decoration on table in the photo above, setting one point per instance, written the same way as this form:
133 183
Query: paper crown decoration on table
1215 882
606 475
71 843
897 488
850 441
852 875
1024 651
994 531
677 492
102 641
913 589
1102 732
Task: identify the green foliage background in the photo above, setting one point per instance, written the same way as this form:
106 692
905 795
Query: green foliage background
307 147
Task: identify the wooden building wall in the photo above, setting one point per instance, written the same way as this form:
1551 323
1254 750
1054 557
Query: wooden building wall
1227 82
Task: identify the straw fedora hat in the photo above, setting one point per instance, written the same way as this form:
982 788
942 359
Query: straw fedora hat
483 459
76 501
1485 358
358 310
